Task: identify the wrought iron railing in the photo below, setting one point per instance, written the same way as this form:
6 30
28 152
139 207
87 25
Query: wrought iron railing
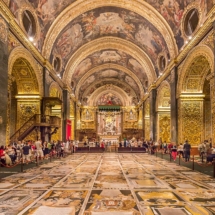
34 121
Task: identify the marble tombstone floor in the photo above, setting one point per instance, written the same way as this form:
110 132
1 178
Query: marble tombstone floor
108 184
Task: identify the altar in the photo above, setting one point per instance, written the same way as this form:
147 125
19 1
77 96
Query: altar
114 139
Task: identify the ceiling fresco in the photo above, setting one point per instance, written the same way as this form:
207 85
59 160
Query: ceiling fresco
109 56
116 76
48 10
84 95
109 21
173 10
108 99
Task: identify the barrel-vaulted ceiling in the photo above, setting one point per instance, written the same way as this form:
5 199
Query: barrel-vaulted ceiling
92 43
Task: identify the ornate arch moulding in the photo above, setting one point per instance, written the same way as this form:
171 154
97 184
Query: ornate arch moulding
192 96
160 97
79 7
56 86
109 43
197 37
201 50
115 90
187 48
112 81
20 52
21 36
15 28
107 66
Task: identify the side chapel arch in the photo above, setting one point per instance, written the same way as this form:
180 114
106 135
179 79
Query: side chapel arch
190 91
25 90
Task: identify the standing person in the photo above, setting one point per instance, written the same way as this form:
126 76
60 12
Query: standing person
76 145
26 153
71 146
39 149
102 145
201 149
174 152
187 148
170 145
207 147
181 150
58 148
45 150
164 147
49 145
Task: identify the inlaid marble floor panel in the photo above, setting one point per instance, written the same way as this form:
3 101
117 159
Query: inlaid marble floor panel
108 184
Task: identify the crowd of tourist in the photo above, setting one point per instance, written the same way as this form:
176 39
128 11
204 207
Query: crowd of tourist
30 151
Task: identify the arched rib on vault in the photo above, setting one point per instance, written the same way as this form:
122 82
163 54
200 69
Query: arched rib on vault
109 43
112 81
142 8
107 66
20 52
115 90
201 50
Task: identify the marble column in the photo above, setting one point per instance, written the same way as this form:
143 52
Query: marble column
45 135
173 105
66 112
153 117
3 80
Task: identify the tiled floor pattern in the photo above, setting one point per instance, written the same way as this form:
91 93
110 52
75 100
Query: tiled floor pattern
108 184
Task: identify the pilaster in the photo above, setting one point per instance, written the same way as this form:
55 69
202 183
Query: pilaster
4 114
66 112
173 105
153 117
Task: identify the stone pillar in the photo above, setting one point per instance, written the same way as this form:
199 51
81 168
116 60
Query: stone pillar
212 84
3 81
46 82
173 105
146 120
45 131
66 112
153 117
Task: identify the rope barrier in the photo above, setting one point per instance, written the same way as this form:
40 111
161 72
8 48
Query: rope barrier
10 166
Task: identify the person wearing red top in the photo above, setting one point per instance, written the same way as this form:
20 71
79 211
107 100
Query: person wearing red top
2 155
102 145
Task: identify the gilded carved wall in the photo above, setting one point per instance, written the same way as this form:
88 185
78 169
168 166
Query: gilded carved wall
88 118
25 110
55 91
163 112
72 118
164 127
147 119
140 120
191 121
212 95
